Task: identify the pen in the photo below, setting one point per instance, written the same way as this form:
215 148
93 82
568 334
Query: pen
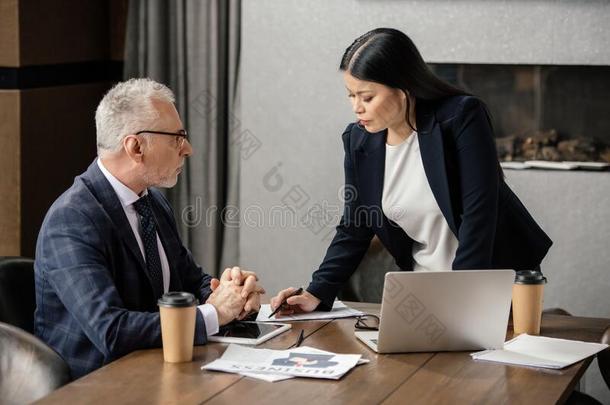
301 338
297 292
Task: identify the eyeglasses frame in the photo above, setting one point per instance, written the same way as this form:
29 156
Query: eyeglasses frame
360 322
182 134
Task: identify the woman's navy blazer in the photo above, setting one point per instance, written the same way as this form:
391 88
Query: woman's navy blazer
493 228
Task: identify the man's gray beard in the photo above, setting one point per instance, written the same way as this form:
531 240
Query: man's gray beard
163 183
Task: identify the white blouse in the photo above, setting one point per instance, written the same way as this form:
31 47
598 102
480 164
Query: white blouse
408 201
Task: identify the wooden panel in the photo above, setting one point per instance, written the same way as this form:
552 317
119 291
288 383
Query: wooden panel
57 144
118 28
457 379
153 381
399 378
573 327
454 378
366 384
62 31
9 33
10 173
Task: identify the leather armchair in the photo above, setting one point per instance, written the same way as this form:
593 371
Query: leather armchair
29 369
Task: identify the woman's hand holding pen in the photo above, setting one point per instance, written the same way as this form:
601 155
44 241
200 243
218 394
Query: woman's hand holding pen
304 302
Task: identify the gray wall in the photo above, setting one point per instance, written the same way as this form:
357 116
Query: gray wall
293 102
574 209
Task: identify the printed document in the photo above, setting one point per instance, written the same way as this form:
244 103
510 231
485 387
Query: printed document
339 310
298 362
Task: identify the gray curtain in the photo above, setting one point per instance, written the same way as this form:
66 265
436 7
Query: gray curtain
193 47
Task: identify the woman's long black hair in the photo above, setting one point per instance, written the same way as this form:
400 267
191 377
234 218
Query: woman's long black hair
389 57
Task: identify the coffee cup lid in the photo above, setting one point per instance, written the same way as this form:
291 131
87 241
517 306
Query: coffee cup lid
177 299
529 277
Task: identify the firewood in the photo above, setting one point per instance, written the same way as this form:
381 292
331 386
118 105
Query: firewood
505 147
550 153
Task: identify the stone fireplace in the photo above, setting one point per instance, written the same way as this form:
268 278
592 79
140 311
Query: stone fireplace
542 112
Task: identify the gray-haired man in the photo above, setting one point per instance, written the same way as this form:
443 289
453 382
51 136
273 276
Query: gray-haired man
109 246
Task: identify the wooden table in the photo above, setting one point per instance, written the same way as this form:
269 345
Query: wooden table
452 378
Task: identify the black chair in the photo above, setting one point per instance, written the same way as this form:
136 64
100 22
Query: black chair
366 284
17 297
29 369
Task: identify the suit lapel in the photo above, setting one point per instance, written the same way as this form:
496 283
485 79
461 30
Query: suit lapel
111 203
433 158
370 165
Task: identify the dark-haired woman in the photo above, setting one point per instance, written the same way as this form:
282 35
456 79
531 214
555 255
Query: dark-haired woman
421 173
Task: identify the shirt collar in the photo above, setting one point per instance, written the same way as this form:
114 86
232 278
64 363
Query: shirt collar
126 195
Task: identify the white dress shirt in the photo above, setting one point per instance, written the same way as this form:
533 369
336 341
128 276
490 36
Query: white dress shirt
127 197
408 200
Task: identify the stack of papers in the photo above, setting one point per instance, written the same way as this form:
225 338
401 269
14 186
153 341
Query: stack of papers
539 351
339 310
276 365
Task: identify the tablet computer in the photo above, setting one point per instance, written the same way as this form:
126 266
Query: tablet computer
248 332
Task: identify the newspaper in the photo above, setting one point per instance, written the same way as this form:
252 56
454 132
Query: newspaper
279 377
339 310
298 362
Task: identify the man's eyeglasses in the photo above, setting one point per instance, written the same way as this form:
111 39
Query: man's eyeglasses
181 135
367 322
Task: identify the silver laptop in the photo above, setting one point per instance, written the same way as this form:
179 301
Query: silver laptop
442 311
